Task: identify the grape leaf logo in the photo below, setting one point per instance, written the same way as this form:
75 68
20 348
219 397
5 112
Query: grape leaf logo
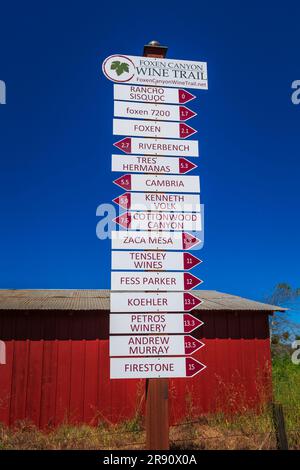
119 67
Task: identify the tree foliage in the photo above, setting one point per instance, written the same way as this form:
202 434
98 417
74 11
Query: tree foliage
283 329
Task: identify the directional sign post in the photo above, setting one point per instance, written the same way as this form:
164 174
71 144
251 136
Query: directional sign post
167 147
153 260
164 281
137 164
140 240
153 345
153 302
159 112
156 367
161 203
147 94
146 323
152 128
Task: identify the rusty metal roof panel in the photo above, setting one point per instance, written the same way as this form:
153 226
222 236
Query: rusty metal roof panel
72 299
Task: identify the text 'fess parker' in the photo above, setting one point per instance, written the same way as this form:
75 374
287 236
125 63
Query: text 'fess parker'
153 302
153 260
124 323
140 281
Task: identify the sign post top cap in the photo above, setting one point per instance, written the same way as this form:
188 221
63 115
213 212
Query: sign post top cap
155 49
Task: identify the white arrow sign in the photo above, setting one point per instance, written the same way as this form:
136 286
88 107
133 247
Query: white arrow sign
160 220
153 345
159 112
155 94
123 240
158 281
156 367
145 323
153 260
168 147
139 164
160 183
153 302
159 202
122 68
156 129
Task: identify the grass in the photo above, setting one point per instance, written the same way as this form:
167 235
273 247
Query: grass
246 430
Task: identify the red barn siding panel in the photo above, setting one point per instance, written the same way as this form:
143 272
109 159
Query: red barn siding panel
77 379
34 382
6 378
48 392
63 391
104 392
19 381
58 368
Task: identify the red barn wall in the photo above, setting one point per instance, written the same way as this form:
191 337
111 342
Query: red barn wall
58 368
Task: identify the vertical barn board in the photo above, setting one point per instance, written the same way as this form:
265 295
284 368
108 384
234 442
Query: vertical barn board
248 355
263 356
35 367
77 380
221 358
92 372
6 374
19 382
34 382
104 382
63 382
206 389
48 394
235 378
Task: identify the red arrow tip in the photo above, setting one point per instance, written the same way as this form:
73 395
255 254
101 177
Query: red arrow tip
124 182
185 96
193 367
123 201
192 345
185 130
185 165
124 145
191 281
190 301
124 220
186 113
190 261
189 240
191 323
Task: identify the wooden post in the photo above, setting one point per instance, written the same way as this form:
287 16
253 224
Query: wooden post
279 424
157 390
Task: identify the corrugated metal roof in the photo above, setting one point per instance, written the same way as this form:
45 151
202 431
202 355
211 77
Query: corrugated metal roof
72 299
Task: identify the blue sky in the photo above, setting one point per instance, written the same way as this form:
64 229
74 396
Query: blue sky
56 137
